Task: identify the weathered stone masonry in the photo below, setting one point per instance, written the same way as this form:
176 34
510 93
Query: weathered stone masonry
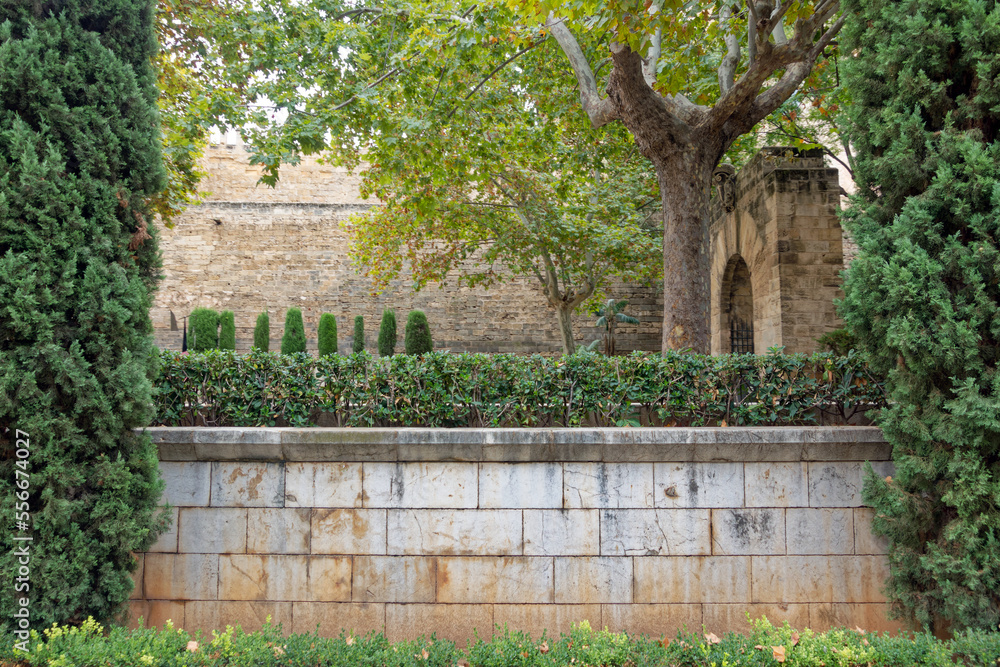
414 531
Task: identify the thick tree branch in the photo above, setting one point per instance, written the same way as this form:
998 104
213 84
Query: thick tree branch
650 117
727 69
599 110
652 57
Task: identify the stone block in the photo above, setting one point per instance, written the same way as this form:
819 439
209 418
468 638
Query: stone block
449 532
607 485
248 484
788 579
487 580
520 485
868 617
820 531
698 484
330 578
167 542
652 620
249 615
348 531
323 485
181 576
161 611
277 530
554 619
720 618
421 485
691 579
562 532
835 484
678 532
864 541
332 618
186 483
394 579
457 622
253 577
212 530
739 532
772 484
593 580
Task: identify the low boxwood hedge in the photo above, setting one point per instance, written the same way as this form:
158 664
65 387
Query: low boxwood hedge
441 389
88 646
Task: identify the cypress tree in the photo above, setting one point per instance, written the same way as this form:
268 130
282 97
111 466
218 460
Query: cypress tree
387 334
262 333
79 159
327 335
359 334
227 330
294 338
205 329
923 296
417 337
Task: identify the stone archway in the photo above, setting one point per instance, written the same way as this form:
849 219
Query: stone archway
737 325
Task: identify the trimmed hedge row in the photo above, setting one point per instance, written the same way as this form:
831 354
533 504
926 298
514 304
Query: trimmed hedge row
221 388
86 646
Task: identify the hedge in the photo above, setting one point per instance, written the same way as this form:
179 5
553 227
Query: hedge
86 646
441 389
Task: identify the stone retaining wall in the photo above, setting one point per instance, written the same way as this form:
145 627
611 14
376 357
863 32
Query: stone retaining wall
414 531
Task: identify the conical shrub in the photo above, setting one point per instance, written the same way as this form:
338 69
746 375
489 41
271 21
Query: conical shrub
294 338
327 335
205 329
359 334
387 334
227 330
417 338
262 333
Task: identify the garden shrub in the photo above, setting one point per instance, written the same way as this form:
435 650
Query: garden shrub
387 334
417 337
262 333
204 329
923 295
294 338
227 330
79 160
327 335
359 334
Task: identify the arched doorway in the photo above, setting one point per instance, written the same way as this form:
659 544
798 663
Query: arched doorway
737 308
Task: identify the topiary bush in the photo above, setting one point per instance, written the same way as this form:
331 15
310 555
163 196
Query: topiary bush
387 334
294 338
204 329
922 298
262 333
359 334
79 160
227 330
417 337
327 335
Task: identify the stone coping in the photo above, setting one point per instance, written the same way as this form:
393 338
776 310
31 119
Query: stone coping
677 444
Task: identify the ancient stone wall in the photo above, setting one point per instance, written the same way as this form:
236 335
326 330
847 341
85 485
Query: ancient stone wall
414 531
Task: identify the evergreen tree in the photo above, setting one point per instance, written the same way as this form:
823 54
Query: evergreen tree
359 334
227 330
294 338
923 295
79 159
417 337
262 333
387 334
327 335
204 329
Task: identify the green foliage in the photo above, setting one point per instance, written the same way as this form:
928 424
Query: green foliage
923 295
838 341
327 335
227 330
359 334
417 336
608 315
441 389
387 334
294 338
262 333
87 646
204 325
79 159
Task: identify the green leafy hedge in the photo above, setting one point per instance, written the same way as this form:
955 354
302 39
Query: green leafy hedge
440 389
86 646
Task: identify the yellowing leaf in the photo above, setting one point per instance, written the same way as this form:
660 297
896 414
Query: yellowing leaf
778 652
712 638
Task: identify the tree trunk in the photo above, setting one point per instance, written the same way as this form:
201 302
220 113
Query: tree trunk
565 314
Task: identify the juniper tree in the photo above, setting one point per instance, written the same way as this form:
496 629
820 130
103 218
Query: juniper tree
262 333
227 330
359 334
204 329
417 336
327 335
387 334
923 296
294 338
79 160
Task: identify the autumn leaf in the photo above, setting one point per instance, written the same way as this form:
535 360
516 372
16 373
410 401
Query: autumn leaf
543 647
665 642
192 646
424 654
712 638
778 652
795 638
349 640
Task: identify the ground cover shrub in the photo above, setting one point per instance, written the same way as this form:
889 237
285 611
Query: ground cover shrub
204 329
387 334
79 161
227 330
417 336
327 335
359 334
294 338
262 333
442 389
